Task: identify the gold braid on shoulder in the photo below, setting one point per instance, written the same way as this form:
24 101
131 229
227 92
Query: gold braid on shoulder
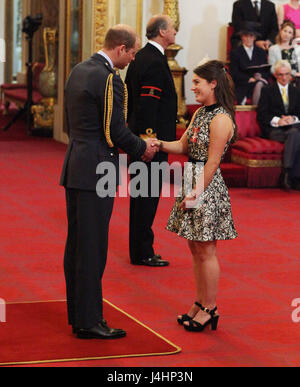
108 107
125 100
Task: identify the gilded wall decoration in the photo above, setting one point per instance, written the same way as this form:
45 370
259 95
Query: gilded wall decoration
100 23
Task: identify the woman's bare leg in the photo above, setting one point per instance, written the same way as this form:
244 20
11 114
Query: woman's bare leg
207 274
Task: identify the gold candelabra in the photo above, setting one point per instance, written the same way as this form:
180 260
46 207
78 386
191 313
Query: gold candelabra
43 113
171 9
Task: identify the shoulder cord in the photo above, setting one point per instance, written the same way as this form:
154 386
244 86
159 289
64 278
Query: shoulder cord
108 107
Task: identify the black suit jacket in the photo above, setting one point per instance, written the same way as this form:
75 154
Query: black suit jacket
84 108
243 11
239 62
152 94
271 105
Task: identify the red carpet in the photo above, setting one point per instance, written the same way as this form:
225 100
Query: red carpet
37 333
17 132
259 280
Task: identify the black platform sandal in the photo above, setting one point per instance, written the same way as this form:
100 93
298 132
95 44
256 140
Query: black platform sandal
186 317
195 326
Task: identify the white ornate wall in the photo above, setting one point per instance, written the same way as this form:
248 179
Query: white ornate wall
203 31
2 13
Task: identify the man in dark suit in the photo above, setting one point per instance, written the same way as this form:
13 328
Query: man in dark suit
278 114
152 111
245 62
262 14
95 115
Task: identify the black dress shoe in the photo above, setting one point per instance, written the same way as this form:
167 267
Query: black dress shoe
103 322
154 261
296 185
100 331
285 181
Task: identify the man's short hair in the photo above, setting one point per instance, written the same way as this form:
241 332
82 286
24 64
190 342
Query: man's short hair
282 63
118 36
159 23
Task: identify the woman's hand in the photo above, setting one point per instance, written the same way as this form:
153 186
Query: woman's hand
157 143
189 202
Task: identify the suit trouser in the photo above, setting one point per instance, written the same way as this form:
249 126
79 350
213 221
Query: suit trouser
85 255
291 155
142 215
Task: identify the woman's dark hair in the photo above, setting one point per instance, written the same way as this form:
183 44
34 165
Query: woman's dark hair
224 91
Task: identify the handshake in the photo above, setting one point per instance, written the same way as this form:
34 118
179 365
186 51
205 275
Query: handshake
152 147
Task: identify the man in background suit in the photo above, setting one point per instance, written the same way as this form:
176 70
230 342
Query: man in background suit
262 13
94 105
278 114
152 111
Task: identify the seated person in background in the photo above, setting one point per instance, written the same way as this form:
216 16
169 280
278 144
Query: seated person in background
284 49
278 115
262 14
249 81
290 11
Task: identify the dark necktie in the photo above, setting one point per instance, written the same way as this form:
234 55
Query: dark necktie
256 8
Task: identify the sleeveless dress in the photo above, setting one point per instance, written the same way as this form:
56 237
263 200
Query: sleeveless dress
211 218
292 14
290 56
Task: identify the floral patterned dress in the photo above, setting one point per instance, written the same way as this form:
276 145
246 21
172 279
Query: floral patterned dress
210 218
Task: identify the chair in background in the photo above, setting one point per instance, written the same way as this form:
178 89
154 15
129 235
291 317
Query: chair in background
261 157
17 93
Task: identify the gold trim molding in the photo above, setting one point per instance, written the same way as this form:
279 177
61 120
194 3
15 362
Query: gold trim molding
171 9
100 12
139 17
256 163
245 108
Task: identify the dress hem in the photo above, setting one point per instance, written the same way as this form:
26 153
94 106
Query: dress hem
201 240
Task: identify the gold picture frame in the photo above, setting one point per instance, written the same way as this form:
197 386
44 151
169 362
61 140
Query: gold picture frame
74 21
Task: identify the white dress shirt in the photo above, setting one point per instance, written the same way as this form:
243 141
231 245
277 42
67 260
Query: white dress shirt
258 4
249 51
158 46
106 57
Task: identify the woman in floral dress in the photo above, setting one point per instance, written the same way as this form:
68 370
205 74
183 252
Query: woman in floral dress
202 214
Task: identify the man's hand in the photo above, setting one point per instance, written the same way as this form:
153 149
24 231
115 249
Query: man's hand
264 44
151 149
286 120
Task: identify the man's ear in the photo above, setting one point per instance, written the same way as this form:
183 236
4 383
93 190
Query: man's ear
121 49
162 33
